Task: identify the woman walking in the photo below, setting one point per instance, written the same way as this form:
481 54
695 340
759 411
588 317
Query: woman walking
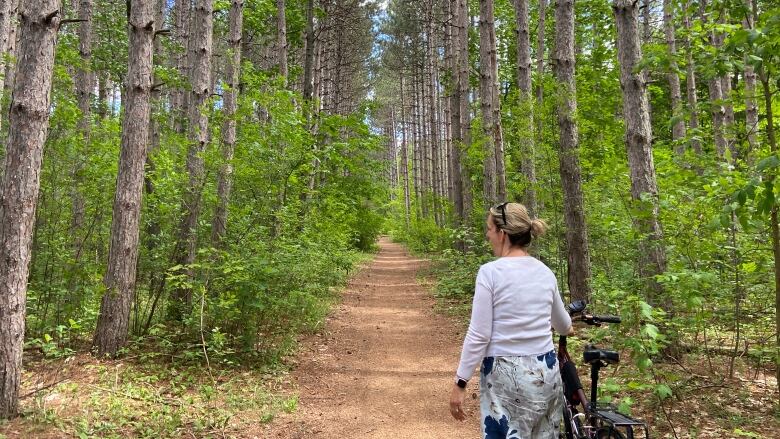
516 303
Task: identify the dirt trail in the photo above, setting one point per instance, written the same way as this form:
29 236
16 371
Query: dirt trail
384 364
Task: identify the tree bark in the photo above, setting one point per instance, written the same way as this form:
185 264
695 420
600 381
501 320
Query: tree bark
540 45
715 89
181 33
488 77
225 179
404 153
573 205
678 127
308 63
639 137
690 81
85 84
462 47
433 126
200 57
281 34
751 107
456 128
8 9
527 147
112 326
28 126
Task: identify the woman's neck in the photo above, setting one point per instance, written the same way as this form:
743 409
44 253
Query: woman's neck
513 252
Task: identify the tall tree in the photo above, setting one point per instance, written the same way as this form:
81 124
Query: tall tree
224 183
462 48
715 88
200 81
690 82
179 55
281 35
494 184
85 86
308 64
456 131
8 9
751 107
573 205
540 45
28 126
405 151
527 147
639 146
112 326
678 127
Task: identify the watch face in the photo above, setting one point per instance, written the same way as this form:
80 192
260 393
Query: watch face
462 384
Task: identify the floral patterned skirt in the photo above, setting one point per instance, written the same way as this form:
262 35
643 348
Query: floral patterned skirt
521 397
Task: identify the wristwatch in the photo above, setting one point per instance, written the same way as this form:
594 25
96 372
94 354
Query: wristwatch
461 383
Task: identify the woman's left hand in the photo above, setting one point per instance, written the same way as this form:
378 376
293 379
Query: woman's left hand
457 397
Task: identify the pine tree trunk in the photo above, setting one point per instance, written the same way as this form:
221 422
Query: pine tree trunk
488 89
28 126
456 117
308 63
200 58
527 147
644 189
281 34
85 84
405 153
8 9
423 140
715 89
433 130
573 205
462 47
416 162
181 32
725 87
540 45
230 96
690 80
112 326
751 107
678 127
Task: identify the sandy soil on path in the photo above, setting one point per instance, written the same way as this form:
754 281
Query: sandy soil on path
383 366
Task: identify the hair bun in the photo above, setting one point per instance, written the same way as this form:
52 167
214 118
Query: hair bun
538 227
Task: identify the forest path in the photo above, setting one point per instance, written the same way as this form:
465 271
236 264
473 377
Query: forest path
383 367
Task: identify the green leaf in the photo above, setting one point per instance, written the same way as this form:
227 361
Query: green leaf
651 331
770 162
663 391
647 310
644 363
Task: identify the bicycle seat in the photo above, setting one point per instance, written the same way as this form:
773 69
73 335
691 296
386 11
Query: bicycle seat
593 354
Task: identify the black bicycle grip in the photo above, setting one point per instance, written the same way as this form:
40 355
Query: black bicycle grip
607 319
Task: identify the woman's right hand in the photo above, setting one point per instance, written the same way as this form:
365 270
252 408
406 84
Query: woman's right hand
457 398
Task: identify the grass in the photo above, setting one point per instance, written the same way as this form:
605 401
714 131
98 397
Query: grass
146 399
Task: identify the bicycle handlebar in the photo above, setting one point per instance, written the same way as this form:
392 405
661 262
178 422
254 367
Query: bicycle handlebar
578 307
607 319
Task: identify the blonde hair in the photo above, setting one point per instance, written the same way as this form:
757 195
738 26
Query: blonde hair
519 225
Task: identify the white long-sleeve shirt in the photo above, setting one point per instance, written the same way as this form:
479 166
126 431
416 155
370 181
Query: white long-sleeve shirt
516 302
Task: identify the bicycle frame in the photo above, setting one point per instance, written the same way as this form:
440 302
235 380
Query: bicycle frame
596 420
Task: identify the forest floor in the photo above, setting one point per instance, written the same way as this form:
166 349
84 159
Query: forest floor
381 366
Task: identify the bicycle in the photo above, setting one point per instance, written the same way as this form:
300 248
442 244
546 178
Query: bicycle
597 420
